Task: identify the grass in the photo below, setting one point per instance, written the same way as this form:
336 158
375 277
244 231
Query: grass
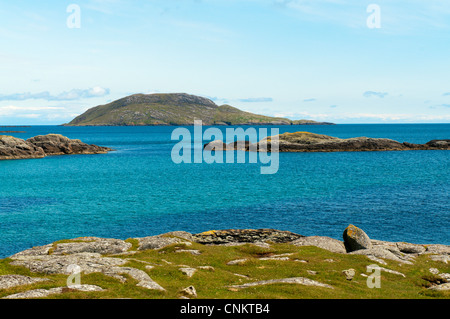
214 283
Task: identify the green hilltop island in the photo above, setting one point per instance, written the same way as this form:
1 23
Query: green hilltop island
174 109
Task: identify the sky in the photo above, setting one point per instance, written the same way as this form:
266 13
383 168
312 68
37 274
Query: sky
341 61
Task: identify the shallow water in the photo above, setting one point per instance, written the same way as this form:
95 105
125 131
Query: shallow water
138 190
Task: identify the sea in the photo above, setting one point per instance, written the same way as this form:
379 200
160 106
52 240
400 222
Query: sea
139 190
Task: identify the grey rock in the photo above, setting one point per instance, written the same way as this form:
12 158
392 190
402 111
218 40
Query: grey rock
434 271
437 249
188 271
294 280
237 262
327 243
441 258
159 242
275 258
445 277
379 252
35 251
411 248
141 276
10 281
180 234
95 245
356 239
210 268
391 271
443 287
349 273
189 292
194 252
54 264
41 293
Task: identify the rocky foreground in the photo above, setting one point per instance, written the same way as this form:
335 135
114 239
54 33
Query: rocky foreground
45 145
311 142
132 261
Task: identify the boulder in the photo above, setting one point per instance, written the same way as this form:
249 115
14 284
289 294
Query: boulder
189 292
349 273
356 239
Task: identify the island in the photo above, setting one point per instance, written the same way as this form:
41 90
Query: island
311 142
174 109
45 145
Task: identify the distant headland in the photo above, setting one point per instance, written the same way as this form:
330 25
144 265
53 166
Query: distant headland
174 109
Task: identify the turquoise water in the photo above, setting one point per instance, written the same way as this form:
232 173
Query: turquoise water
138 190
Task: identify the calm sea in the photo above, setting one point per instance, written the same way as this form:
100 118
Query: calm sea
138 190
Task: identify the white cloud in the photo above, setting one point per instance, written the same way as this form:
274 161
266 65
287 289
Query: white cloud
12 110
71 95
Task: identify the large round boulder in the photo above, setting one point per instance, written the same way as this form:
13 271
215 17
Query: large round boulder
356 239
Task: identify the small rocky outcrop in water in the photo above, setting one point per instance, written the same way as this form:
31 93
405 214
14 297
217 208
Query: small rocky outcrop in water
45 145
311 142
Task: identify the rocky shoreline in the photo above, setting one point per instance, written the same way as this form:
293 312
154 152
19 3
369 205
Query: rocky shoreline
311 142
45 145
110 257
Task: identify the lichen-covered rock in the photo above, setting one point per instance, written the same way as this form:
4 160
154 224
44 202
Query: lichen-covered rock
245 236
356 239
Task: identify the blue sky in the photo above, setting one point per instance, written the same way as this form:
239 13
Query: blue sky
313 59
